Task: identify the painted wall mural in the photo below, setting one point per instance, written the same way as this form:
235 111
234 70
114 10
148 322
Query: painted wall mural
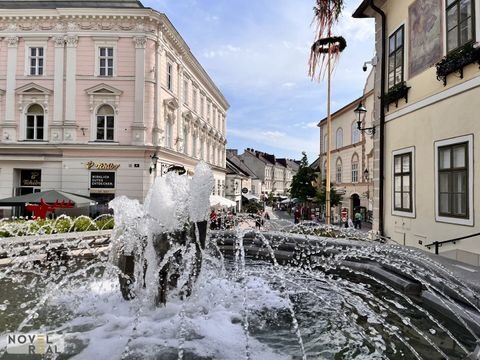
425 33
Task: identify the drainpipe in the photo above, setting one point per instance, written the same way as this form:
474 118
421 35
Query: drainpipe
382 119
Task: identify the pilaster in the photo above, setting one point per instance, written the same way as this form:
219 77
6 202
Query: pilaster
10 125
69 130
56 127
138 128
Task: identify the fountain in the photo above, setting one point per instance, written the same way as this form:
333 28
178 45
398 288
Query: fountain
161 290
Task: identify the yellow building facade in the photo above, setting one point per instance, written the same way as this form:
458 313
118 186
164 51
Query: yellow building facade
427 82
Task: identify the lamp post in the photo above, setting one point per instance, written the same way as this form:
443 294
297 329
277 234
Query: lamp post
361 112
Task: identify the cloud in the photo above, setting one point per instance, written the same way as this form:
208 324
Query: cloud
257 54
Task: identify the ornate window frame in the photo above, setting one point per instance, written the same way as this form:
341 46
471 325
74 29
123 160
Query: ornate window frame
28 95
98 95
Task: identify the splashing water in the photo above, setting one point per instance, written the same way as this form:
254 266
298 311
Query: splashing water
259 295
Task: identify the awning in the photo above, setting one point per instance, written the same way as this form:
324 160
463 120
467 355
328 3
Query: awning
220 201
288 201
49 197
250 197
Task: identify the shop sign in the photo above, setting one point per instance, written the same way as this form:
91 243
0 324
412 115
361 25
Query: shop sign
101 165
31 178
102 180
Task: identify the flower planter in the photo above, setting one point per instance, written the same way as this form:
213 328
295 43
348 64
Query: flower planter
456 60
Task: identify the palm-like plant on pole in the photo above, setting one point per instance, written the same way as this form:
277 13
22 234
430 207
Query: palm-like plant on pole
325 49
325 46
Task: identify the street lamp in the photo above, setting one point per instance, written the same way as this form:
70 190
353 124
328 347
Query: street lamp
361 111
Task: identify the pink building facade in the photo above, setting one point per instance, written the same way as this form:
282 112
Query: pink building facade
100 100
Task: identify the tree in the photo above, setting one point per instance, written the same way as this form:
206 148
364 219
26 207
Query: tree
302 182
335 199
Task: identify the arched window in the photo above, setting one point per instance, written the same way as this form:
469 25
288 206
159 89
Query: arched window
339 138
339 171
35 122
105 123
354 168
325 139
355 133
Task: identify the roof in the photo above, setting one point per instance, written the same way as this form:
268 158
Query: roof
238 164
54 4
360 12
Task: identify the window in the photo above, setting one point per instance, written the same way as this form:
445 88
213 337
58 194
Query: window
35 123
194 145
185 91
459 22
454 165
194 100
325 140
169 76
36 60
185 140
168 134
339 138
355 168
202 149
395 58
402 182
105 61
202 106
105 123
355 133
339 171
208 111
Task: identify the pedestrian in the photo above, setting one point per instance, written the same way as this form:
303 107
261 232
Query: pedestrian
213 220
296 215
350 223
358 220
258 220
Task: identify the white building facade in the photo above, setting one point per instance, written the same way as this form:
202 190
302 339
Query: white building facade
100 100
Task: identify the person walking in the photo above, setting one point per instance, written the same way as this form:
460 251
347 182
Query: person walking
213 220
358 220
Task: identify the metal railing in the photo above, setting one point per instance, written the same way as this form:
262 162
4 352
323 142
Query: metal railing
437 244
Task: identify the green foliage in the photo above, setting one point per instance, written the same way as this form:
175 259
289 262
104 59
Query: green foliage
321 196
105 222
252 207
63 224
302 186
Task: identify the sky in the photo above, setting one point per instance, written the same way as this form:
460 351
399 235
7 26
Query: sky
256 52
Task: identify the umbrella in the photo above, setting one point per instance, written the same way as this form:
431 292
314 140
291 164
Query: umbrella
49 197
217 200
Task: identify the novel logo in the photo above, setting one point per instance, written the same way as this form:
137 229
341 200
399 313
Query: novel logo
39 344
